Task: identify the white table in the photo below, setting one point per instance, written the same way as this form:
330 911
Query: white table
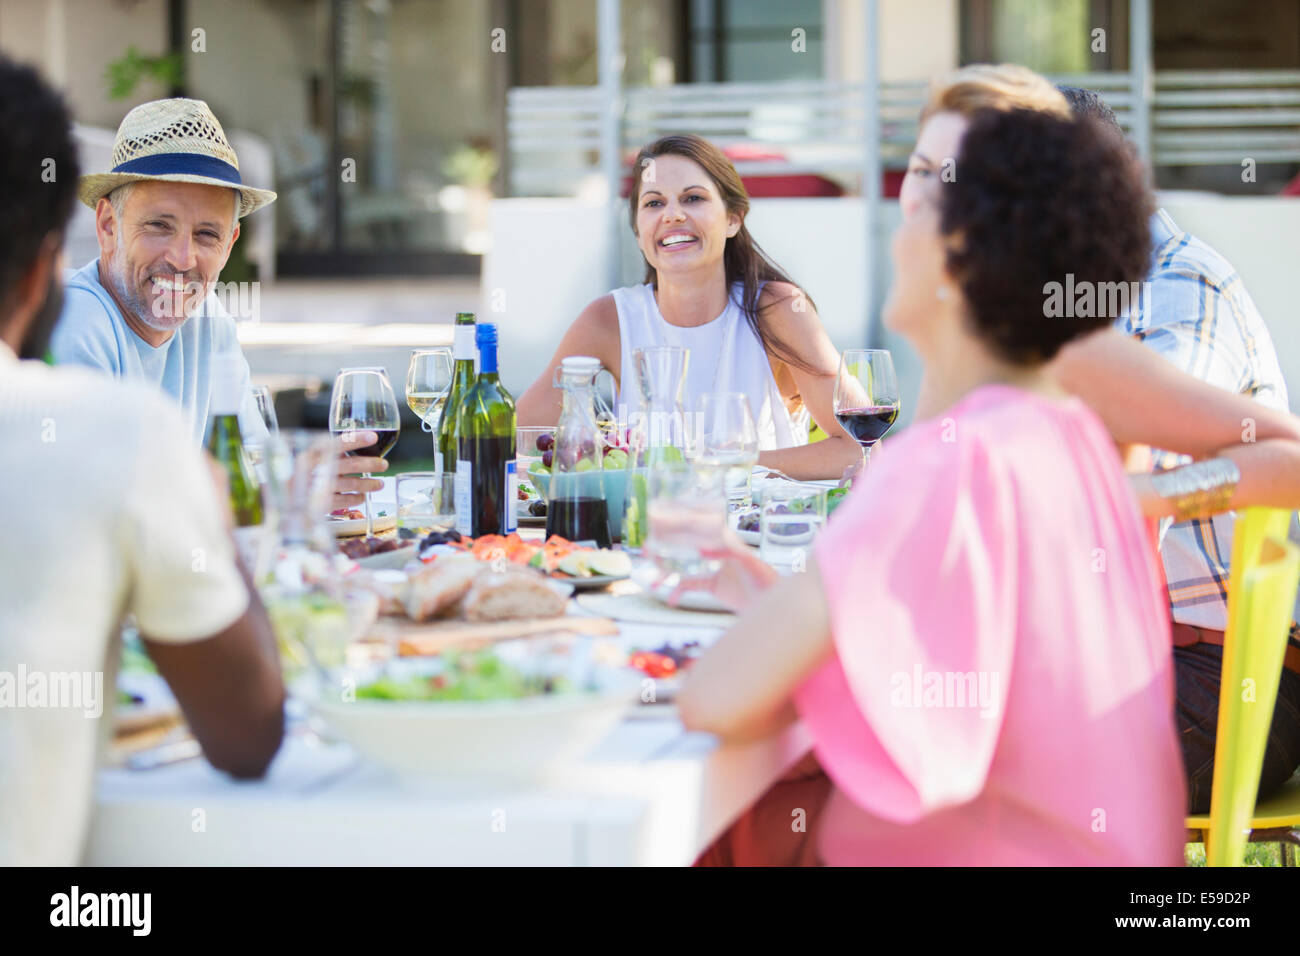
651 794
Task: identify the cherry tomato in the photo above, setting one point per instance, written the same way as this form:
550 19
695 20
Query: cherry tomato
653 665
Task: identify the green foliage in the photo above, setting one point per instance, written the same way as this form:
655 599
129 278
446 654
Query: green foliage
1257 854
470 166
124 74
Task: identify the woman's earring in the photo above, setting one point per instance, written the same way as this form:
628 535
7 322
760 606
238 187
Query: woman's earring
941 293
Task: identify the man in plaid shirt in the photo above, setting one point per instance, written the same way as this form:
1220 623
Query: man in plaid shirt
1196 312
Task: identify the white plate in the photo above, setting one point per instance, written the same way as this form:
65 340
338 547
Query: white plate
690 601
393 560
351 526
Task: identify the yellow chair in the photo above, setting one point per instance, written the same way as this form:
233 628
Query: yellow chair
1261 595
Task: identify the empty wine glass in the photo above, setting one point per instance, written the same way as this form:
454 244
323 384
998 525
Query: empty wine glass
362 401
255 444
866 396
428 379
728 440
265 403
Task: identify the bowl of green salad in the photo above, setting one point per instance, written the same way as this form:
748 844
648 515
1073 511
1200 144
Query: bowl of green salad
476 721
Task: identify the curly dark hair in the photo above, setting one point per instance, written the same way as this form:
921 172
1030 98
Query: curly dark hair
38 169
1042 206
1089 103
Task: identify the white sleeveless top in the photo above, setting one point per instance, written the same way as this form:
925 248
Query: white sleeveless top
725 356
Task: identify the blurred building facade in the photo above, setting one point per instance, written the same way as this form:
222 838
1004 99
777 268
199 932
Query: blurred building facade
389 125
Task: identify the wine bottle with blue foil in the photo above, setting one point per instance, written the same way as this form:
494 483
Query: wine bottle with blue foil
464 354
486 481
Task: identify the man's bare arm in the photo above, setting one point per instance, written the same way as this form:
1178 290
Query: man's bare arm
230 690
1145 399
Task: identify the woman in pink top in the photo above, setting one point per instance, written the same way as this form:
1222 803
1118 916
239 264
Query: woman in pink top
979 646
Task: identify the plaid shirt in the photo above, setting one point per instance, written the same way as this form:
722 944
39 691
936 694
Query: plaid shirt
1196 313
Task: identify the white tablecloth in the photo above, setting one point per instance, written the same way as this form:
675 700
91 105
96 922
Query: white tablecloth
651 793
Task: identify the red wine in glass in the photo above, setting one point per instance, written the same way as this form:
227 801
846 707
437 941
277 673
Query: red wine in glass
579 519
868 424
377 449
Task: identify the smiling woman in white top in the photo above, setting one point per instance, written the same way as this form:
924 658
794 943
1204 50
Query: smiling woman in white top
711 289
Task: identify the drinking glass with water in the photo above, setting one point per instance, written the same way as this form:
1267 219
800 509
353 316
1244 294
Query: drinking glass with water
791 517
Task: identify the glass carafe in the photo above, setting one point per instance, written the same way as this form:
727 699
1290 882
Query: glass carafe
302 590
657 429
576 505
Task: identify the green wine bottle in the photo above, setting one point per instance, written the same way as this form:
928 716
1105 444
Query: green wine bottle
486 481
464 352
226 445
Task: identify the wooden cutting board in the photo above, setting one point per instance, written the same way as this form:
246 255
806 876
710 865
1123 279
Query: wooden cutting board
418 640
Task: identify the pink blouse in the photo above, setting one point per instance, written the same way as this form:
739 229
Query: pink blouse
1002 687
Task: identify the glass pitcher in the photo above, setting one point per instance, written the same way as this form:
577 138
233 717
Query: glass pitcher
576 505
302 590
657 429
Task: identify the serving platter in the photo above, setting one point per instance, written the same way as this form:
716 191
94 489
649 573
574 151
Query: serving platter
349 526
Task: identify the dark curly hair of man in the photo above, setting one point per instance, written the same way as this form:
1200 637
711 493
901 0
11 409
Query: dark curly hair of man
1042 210
1089 103
38 169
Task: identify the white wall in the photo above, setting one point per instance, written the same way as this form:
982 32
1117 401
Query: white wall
918 39
547 258
72 41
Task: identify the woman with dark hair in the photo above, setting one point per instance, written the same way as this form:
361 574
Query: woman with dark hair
710 288
979 646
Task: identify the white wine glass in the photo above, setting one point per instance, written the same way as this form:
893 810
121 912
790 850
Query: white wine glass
428 380
363 401
728 439
255 447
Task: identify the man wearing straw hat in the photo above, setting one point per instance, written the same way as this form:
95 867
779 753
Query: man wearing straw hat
167 216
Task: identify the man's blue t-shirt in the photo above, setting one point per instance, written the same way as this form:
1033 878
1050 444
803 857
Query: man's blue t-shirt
92 332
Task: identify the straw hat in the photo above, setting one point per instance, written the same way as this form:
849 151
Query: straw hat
178 141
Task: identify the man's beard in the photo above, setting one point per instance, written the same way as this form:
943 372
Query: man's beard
36 343
142 304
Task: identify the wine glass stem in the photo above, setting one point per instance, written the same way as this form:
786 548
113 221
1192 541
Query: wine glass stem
866 456
370 525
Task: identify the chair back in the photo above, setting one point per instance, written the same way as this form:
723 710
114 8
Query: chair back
1261 596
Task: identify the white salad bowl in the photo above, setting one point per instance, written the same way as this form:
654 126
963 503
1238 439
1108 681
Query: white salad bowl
467 747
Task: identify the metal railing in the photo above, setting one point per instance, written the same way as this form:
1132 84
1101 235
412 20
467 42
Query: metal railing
1198 118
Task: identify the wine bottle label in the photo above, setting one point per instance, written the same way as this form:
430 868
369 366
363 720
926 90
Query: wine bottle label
463 345
510 518
464 488
226 375
250 542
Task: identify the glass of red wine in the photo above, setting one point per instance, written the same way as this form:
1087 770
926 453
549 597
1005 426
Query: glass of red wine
866 396
363 401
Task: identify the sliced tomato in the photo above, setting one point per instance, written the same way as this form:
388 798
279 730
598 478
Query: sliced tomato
652 664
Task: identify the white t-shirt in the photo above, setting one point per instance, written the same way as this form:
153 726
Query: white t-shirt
725 356
109 510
